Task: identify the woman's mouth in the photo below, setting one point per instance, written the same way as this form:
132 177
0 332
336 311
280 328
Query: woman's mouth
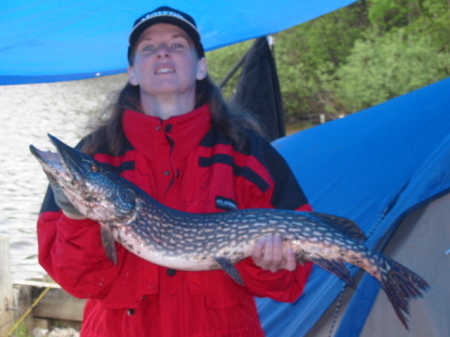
164 70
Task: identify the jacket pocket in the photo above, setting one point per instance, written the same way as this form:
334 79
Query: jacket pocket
136 279
219 290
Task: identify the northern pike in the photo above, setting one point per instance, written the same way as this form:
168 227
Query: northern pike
188 241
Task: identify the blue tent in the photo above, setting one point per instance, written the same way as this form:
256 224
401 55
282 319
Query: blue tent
51 40
375 167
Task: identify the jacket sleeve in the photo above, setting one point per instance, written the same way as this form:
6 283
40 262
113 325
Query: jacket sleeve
72 253
283 286
283 192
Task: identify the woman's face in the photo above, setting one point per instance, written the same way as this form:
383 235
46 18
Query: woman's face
166 62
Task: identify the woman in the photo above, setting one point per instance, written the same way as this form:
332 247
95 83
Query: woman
171 133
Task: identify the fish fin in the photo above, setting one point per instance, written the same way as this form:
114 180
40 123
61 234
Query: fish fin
341 224
337 268
400 284
230 269
108 244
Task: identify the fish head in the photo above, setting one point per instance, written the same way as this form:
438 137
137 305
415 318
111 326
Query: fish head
94 190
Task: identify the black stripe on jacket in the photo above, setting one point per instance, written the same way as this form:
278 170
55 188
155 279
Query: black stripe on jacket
287 192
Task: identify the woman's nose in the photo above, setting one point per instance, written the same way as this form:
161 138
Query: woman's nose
163 51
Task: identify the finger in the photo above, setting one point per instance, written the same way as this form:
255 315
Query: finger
277 254
258 251
268 252
291 263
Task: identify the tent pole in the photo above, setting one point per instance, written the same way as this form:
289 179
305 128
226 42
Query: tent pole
233 70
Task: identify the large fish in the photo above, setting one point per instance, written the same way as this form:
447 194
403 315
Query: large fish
188 241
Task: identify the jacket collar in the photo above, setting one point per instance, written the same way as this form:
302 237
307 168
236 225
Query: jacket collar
179 134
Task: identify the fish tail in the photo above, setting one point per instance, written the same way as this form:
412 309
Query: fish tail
400 284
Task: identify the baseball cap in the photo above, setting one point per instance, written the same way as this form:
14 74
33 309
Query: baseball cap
170 15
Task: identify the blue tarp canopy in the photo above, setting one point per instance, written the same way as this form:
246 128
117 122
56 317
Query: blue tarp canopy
374 167
52 40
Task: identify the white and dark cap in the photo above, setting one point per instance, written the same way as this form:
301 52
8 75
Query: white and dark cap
166 15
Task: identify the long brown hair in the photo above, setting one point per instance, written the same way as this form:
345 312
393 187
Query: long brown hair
108 130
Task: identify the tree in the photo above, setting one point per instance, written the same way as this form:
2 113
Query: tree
381 68
355 57
307 53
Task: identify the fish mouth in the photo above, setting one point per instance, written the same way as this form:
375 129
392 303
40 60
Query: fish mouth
72 159
67 162
46 157
50 161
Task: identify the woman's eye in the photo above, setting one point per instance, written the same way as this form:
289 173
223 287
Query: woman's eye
148 48
179 44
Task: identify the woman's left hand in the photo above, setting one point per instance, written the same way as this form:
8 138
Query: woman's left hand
269 254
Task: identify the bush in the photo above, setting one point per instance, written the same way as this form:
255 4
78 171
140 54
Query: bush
381 68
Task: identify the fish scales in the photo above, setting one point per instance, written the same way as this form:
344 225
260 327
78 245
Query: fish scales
224 230
188 241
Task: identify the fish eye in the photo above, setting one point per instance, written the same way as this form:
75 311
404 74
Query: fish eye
94 167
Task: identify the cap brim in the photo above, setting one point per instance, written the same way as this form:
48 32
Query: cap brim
187 27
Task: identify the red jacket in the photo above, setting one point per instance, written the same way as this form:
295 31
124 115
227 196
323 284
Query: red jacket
187 165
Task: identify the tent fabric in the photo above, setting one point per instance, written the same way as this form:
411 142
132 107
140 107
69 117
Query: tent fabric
374 167
421 241
258 89
48 41
427 184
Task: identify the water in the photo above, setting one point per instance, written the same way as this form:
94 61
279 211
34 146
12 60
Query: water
28 113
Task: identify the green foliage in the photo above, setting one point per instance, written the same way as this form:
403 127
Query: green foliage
353 58
381 68
388 14
21 331
306 54
435 23
221 61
